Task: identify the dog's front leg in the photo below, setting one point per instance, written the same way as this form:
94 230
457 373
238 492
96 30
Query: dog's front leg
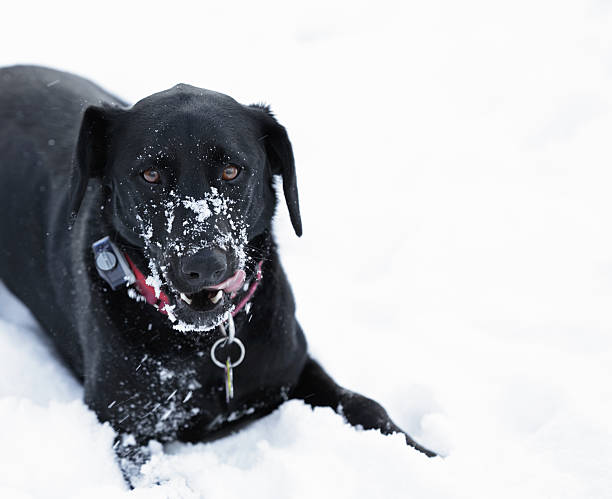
318 389
131 455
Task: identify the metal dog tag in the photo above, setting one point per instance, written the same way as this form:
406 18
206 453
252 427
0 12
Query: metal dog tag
111 264
229 381
227 339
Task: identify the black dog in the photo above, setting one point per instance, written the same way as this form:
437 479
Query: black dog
181 184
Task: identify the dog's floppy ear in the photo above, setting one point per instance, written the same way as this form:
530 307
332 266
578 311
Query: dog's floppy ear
280 156
89 156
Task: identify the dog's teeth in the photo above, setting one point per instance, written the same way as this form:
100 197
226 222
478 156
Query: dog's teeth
185 299
215 299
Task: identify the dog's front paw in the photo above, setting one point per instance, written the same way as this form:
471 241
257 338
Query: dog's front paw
131 457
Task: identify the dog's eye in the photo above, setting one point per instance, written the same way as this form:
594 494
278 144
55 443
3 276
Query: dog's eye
151 175
230 172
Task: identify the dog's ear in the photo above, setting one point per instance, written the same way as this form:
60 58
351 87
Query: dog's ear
280 156
89 157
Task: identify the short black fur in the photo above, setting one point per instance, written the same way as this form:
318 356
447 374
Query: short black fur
71 159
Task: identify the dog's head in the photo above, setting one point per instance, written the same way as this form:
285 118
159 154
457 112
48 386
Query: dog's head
190 179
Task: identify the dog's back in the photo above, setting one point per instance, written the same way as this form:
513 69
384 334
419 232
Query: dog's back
40 114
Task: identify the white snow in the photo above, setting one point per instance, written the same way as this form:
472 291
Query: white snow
200 207
456 265
196 235
135 295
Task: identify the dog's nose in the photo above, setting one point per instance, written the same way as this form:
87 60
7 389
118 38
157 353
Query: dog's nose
207 267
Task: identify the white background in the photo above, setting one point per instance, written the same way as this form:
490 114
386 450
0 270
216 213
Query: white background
454 166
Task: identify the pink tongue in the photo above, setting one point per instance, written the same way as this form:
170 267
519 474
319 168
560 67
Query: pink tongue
232 284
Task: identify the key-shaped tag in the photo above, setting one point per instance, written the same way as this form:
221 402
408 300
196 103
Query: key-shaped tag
229 380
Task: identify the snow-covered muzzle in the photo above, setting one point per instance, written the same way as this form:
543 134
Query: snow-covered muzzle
196 255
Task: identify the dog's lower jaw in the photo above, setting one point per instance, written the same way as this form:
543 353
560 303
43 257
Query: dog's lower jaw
185 327
190 319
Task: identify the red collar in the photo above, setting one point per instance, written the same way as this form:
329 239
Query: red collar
160 303
250 291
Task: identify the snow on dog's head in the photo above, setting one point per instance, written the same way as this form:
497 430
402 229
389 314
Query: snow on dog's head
189 174
196 253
